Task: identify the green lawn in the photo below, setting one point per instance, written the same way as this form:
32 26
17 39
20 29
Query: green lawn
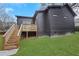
59 46
1 42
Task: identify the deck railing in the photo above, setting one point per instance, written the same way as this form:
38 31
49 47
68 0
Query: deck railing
29 27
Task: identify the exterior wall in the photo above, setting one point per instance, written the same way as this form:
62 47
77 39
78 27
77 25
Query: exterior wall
69 20
61 21
21 20
58 20
40 23
46 24
43 27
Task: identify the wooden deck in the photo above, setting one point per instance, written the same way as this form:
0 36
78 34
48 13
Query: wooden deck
12 36
29 29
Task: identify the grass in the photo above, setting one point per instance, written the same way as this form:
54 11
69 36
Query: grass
1 42
45 46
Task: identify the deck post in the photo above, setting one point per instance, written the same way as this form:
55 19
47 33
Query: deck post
36 33
27 34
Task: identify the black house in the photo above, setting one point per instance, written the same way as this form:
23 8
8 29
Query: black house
54 19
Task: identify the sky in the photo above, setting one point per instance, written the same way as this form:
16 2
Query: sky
21 9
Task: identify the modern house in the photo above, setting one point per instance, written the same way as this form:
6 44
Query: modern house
55 19
50 20
76 20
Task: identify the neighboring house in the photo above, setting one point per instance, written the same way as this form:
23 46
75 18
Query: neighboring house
76 20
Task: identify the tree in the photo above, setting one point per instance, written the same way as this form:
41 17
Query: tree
6 19
75 7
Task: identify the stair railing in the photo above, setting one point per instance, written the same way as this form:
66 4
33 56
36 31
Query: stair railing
19 35
7 35
19 32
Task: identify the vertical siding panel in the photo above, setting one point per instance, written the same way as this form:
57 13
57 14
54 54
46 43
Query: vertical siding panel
40 23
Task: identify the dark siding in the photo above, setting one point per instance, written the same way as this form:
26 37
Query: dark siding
46 24
69 20
61 20
40 23
57 20
21 19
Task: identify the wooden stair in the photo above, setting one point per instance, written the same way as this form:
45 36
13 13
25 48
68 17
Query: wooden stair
13 41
